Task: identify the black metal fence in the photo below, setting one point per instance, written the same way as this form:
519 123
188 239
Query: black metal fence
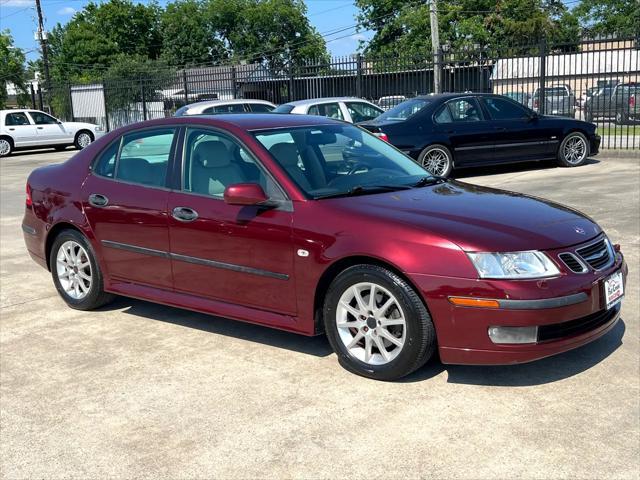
593 80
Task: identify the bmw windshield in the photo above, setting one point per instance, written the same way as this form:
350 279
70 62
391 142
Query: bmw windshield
339 160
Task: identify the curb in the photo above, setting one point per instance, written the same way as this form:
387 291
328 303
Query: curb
619 153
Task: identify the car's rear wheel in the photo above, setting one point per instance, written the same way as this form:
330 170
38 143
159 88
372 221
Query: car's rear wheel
573 150
6 146
83 139
437 159
377 324
76 273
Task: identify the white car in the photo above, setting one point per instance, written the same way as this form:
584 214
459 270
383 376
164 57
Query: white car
36 129
350 109
213 107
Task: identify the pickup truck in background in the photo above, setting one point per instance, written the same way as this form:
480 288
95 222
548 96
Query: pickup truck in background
621 102
558 100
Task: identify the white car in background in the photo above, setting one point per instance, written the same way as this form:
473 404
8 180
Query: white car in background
35 129
350 109
214 107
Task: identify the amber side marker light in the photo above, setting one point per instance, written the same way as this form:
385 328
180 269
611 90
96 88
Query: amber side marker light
474 302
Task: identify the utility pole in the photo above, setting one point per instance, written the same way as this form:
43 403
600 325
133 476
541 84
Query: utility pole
42 37
435 45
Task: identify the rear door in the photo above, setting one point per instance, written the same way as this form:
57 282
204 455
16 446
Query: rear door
236 254
49 129
21 129
470 134
516 134
125 199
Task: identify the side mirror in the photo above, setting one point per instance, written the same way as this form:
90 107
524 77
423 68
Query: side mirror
245 194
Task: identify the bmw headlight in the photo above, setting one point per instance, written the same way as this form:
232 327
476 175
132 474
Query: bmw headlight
514 265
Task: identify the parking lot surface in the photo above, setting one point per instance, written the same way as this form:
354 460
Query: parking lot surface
145 391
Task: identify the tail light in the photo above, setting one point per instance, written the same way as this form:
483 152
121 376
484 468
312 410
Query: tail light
29 202
382 136
632 101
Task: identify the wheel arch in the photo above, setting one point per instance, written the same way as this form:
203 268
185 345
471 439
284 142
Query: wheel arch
6 136
53 233
84 130
575 129
339 266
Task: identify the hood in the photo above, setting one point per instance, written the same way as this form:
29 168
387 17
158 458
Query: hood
79 125
478 218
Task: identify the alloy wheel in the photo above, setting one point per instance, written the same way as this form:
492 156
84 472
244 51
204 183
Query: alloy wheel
74 270
371 323
5 147
575 150
436 161
84 140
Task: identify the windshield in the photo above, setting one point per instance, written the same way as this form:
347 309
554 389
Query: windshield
335 160
405 109
284 108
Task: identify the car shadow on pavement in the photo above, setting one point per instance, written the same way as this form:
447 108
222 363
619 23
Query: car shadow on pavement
511 168
317 346
543 371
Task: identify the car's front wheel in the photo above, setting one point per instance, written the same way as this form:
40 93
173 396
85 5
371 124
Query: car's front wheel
83 139
377 324
76 273
6 146
437 159
573 150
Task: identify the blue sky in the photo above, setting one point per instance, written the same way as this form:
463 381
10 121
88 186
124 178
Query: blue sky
19 17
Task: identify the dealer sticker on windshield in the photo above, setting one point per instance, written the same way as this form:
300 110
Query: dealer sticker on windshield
613 289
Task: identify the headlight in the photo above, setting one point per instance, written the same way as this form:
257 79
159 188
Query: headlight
99 128
514 265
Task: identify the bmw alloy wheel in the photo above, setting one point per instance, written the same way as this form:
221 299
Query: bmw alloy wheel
436 161
74 270
371 323
575 150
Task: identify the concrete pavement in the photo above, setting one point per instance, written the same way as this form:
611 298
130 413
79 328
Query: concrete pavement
139 390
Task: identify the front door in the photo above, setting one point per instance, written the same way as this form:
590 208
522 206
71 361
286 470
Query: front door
125 199
469 132
49 129
235 254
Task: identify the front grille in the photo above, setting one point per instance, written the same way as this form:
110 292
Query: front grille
597 255
572 262
576 327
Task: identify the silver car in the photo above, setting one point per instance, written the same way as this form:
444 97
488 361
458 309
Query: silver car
350 109
213 107
24 128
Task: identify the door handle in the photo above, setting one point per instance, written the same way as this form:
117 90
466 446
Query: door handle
12 129
501 129
40 128
184 214
98 200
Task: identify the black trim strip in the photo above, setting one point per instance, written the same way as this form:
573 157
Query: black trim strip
28 229
539 304
195 260
503 145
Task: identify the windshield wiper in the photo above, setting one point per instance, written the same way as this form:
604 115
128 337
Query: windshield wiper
363 189
431 180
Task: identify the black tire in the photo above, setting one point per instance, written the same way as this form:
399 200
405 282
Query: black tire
6 146
621 118
563 160
420 336
96 296
444 150
77 141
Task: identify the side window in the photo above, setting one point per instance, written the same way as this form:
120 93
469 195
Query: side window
260 107
361 112
233 108
443 115
500 109
106 164
465 110
213 161
40 118
16 119
144 157
331 110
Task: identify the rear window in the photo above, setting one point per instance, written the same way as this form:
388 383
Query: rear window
405 110
260 107
284 108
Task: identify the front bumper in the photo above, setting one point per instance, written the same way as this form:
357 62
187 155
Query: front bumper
594 144
569 311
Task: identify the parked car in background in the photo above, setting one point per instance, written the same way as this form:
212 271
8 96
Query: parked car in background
559 100
454 130
389 101
619 102
387 260
214 107
350 109
520 97
21 129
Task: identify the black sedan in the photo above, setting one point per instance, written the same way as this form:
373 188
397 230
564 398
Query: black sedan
449 131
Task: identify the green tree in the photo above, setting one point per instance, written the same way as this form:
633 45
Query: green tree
610 17
11 67
403 28
100 33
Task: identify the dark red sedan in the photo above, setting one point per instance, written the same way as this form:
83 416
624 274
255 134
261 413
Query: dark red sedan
312 225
